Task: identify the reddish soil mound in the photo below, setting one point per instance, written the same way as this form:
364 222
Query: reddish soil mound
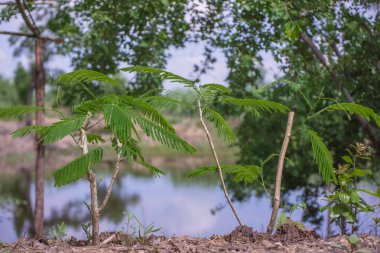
246 234
292 232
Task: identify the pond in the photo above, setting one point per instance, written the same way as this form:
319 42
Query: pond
174 203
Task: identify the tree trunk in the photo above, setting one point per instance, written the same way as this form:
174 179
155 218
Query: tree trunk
94 208
91 176
40 97
280 166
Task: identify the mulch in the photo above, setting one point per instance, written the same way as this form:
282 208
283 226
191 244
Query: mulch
288 238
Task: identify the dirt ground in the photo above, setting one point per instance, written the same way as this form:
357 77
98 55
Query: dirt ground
242 239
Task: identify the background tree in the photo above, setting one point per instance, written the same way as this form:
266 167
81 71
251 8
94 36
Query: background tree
8 93
329 48
98 35
22 81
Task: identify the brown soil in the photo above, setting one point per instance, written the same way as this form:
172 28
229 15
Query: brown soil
242 239
292 232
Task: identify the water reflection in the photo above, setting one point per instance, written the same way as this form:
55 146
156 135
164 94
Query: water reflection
15 204
179 205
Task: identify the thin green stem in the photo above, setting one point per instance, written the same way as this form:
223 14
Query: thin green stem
216 161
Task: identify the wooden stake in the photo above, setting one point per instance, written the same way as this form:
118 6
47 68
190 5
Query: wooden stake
280 166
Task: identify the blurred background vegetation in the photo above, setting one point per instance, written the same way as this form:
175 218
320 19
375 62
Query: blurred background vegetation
330 49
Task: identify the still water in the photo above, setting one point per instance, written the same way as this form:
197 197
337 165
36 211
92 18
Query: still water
178 205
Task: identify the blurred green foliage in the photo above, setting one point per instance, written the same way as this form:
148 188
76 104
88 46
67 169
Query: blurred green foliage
347 35
100 35
15 92
8 93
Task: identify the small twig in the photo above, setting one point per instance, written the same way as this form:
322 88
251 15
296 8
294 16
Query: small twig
109 239
280 165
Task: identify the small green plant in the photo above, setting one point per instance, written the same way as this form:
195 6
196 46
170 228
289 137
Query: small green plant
87 226
354 245
284 219
59 231
121 115
135 228
344 201
376 225
354 242
204 99
87 230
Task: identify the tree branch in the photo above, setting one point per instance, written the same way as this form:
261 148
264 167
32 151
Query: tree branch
115 174
35 2
27 11
91 176
57 40
368 128
99 121
316 51
32 26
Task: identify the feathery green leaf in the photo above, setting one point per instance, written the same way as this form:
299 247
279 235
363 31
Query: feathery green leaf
62 128
39 130
151 92
162 135
7 113
148 111
156 171
215 88
322 156
77 168
245 173
162 74
131 151
119 121
360 110
163 101
94 138
84 76
220 124
93 106
201 171
256 106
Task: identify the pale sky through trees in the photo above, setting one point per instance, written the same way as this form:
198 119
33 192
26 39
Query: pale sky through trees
181 62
